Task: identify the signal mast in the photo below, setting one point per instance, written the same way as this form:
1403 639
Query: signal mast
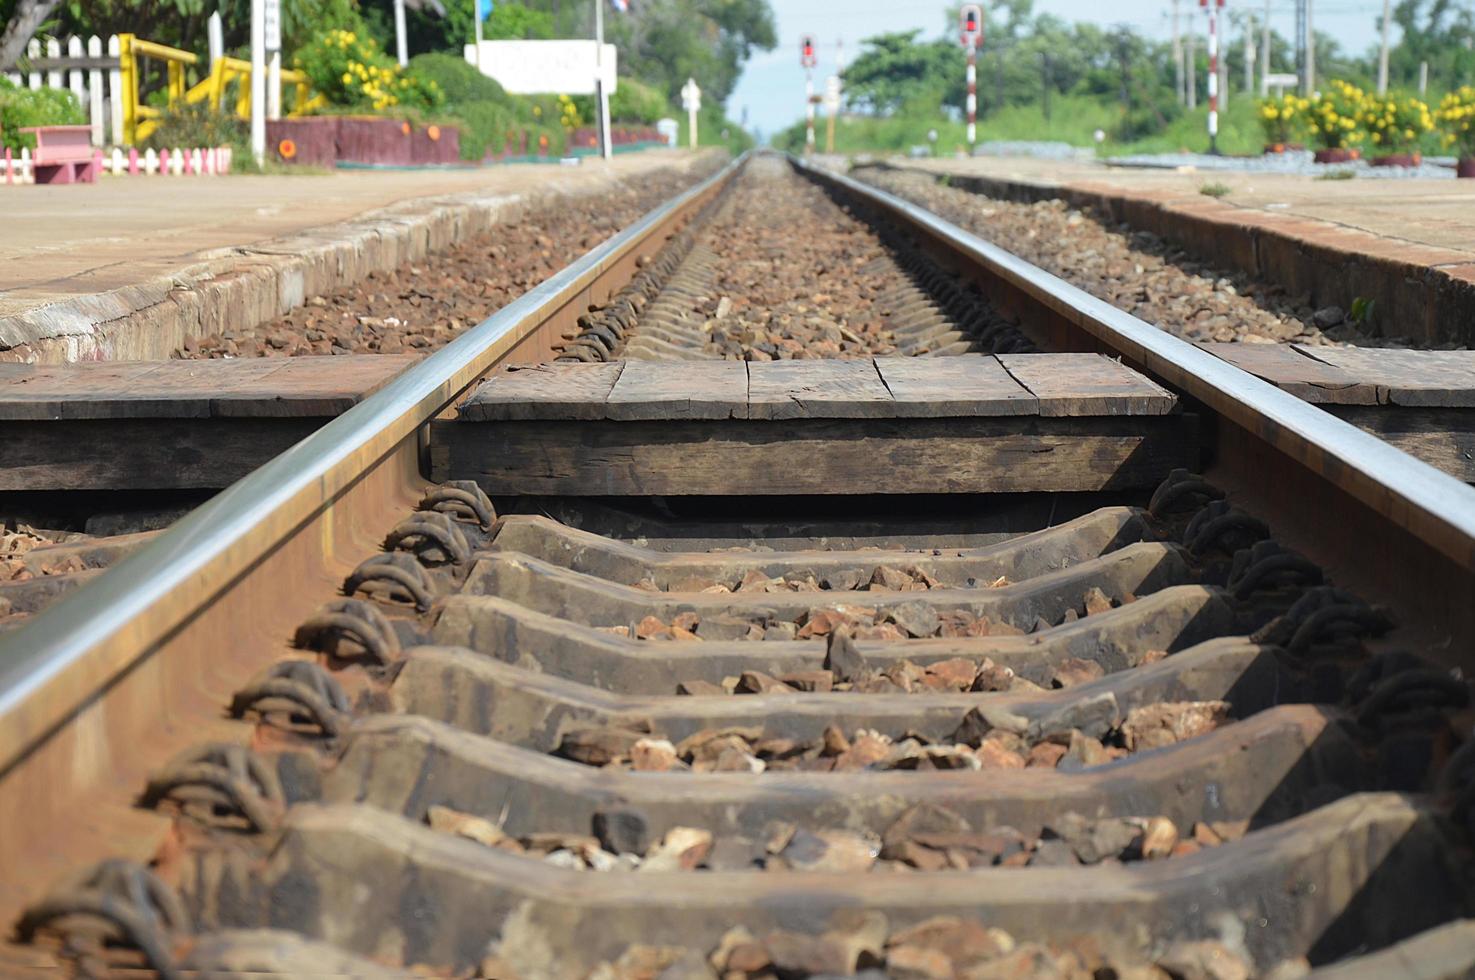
970 25
808 59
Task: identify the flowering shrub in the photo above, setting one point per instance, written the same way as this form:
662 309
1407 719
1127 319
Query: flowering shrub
1455 114
350 70
1280 118
1333 117
1394 123
568 113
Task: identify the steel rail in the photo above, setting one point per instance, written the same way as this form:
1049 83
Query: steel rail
1431 505
71 651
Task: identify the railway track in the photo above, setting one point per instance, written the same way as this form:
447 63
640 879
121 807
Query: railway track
1193 712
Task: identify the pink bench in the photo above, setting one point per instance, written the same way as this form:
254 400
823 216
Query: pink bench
63 154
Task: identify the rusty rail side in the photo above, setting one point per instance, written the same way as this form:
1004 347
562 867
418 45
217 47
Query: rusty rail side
105 683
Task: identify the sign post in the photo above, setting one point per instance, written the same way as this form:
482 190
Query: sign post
258 80
970 20
483 9
691 101
808 60
601 91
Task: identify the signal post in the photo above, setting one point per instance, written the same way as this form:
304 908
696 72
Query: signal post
808 60
970 24
1212 7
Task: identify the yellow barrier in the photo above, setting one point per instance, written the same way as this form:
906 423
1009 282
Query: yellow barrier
140 120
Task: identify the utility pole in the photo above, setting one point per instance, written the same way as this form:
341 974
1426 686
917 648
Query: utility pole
1177 59
1249 26
601 91
1423 78
1124 68
1265 54
1383 54
1191 59
832 96
998 79
1045 82
1310 50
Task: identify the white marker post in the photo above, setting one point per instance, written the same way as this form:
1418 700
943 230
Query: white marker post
970 21
691 101
401 42
273 14
258 80
808 60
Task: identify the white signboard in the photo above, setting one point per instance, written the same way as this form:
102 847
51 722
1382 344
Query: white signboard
272 18
545 67
691 96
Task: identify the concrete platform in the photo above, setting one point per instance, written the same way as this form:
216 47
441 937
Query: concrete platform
896 425
126 269
1408 245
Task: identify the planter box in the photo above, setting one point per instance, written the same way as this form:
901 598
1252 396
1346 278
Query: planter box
1336 154
1397 160
1465 167
369 140
312 141
435 145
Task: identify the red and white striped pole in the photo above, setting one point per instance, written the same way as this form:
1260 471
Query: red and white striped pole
808 58
971 27
1213 10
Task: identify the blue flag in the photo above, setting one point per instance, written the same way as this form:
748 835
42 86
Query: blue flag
484 8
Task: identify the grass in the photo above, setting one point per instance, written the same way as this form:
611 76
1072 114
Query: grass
1073 119
1214 189
1336 175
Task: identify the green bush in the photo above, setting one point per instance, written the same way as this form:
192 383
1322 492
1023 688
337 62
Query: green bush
350 69
633 101
21 107
458 81
190 125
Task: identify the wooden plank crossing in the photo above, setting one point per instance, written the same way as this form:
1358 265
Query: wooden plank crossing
116 425
967 424
1063 385
1423 402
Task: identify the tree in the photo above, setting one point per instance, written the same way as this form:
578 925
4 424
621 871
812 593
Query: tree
895 70
23 22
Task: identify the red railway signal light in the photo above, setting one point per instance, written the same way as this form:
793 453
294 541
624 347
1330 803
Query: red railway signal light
970 25
807 57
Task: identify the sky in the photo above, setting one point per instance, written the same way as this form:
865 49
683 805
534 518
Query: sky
772 86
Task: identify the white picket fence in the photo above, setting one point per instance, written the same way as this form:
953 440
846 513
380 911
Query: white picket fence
100 91
210 162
